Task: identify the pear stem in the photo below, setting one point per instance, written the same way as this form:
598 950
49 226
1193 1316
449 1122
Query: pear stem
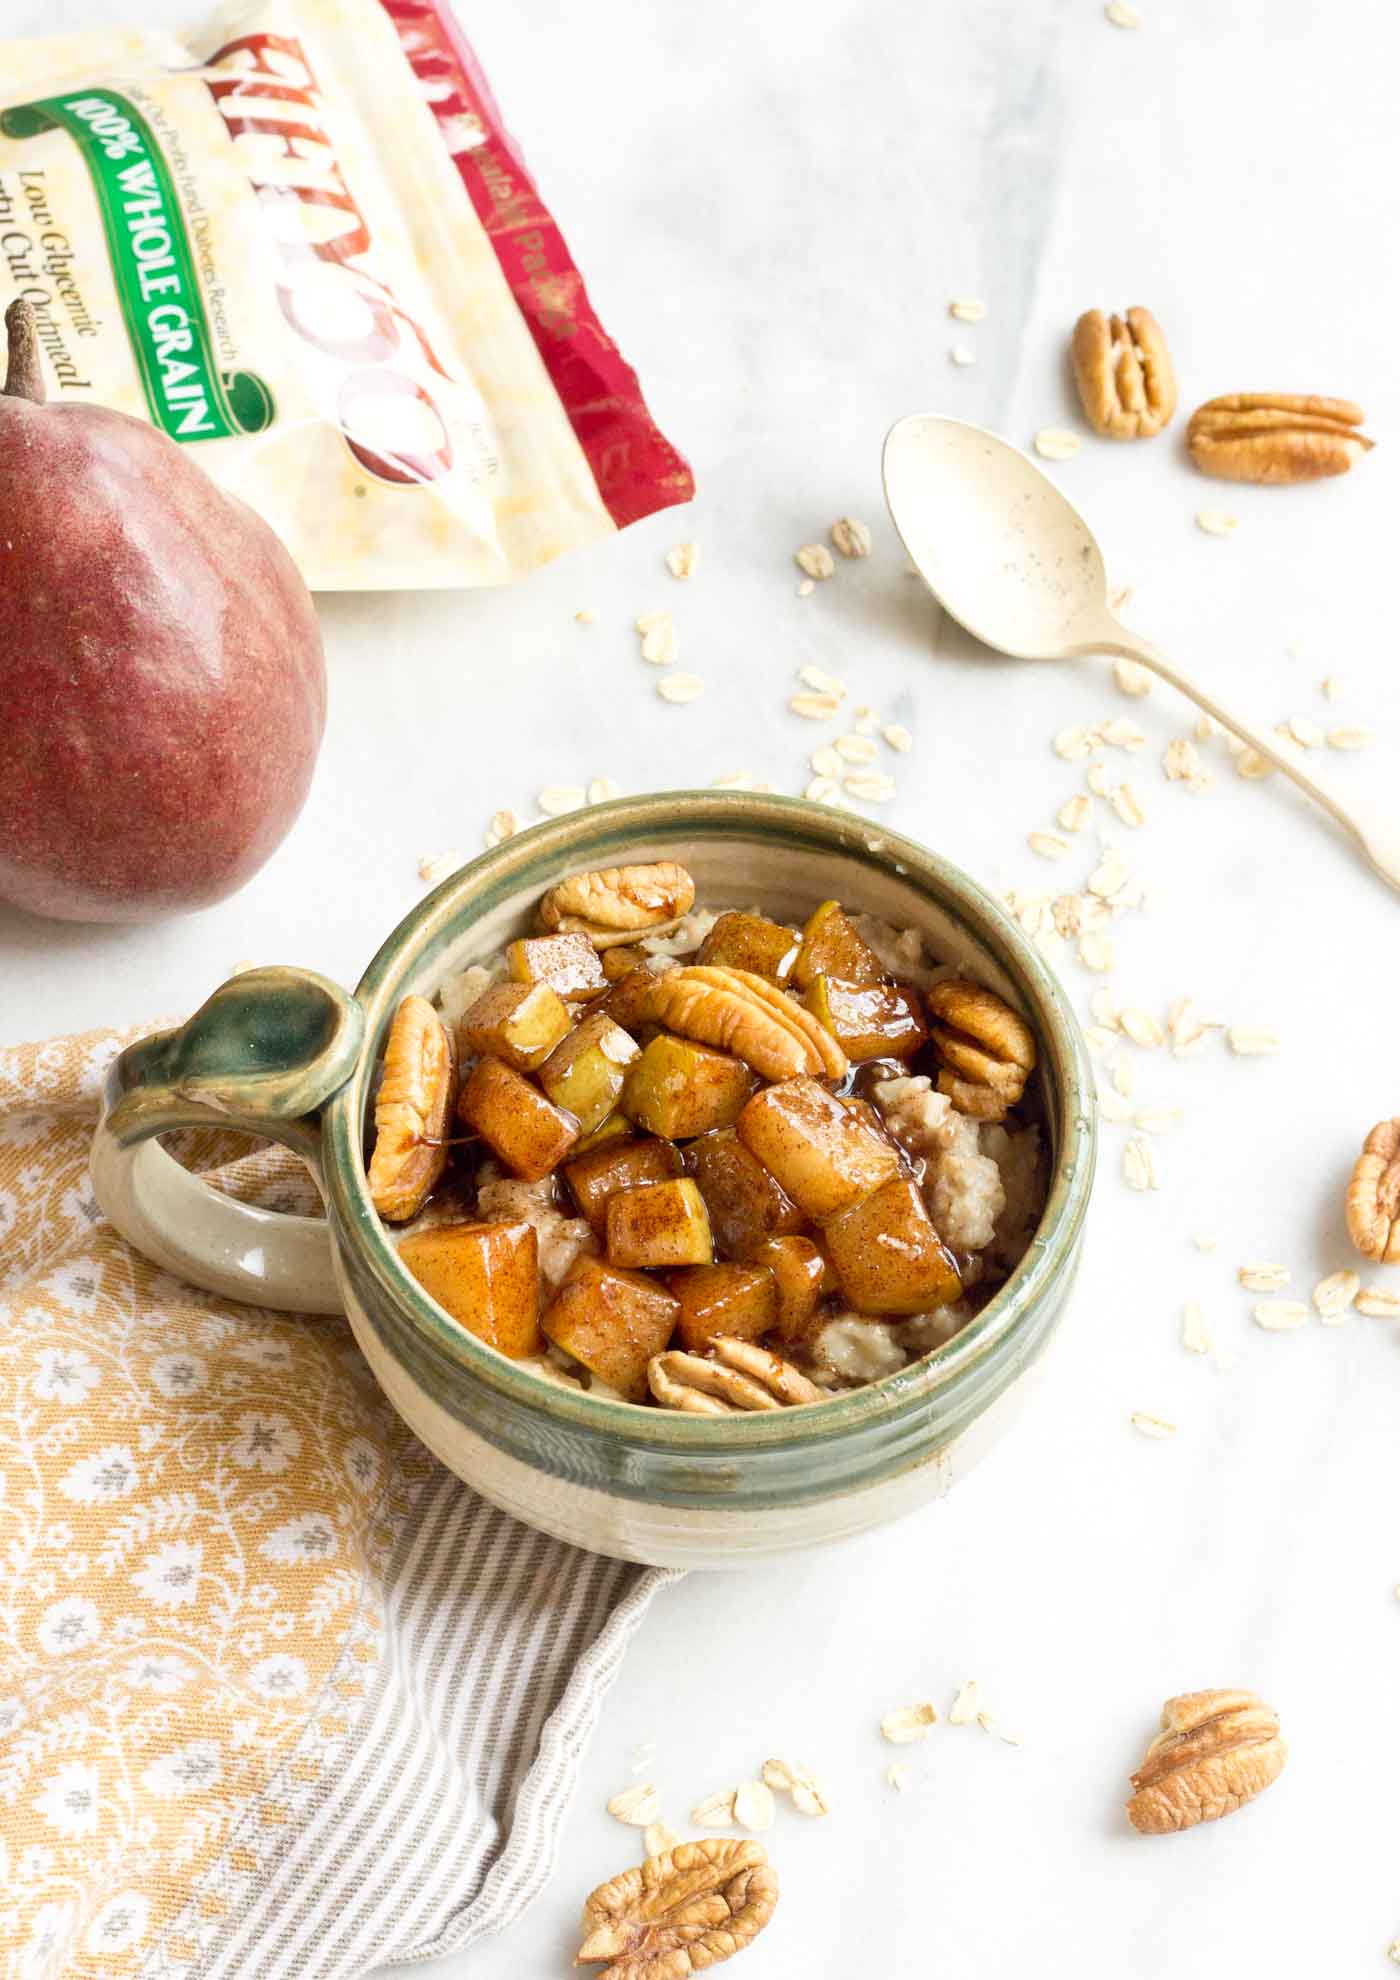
25 377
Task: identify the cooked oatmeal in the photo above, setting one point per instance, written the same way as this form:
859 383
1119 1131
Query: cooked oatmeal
705 1160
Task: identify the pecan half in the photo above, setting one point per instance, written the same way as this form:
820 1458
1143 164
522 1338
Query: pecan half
1216 1751
1275 437
411 1111
736 1011
739 1377
1373 1195
988 1052
618 903
1123 371
681 1912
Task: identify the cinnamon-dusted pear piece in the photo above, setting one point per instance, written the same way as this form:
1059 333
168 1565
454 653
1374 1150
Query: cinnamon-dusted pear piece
160 665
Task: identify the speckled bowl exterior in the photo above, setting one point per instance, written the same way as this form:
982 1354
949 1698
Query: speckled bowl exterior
656 1485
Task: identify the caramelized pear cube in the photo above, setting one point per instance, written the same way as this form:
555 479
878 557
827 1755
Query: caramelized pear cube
529 1133
799 1274
679 1089
626 1002
567 963
486 1277
519 1023
823 1153
752 942
661 1223
747 1205
620 962
616 1127
585 1071
740 1301
869 1020
888 1256
612 1321
599 1174
831 947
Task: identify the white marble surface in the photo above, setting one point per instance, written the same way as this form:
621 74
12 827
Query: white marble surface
773 206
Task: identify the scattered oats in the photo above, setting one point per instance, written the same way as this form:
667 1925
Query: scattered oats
1123 1073
825 761
1392 1952
1114 1107
816 561
1217 522
1158 1120
1067 913
898 1776
1263 1277
1075 743
1119 733
1122 14
1332 688
1127 805
1207 727
870 786
636 1806
898 737
867 720
683 560
1099 779
1280 1316
1252 764
1151 1426
822 790
660 646
1348 738
809 1797
1304 732
716 1811
962 354
1182 765
680 688
1049 942
1108 877
1334 1294
806 588
1132 678
852 538
1103 1006
504 825
856 749
555 799
1142 1027
241 967
659 1840
908 1723
815 707
1140 1169
602 790
1195 1330
966 310
586 616
753 1806
436 866
1096 951
733 780
1247 1042
968 1703
989 1725
1378 1304
1049 845
1205 1240
777 1775
821 682
1055 443
1074 814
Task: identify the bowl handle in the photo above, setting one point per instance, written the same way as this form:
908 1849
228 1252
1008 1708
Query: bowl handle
263 1056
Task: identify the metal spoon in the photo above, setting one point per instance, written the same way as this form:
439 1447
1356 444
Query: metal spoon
1012 560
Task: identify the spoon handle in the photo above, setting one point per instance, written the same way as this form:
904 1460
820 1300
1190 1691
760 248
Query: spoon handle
1379 839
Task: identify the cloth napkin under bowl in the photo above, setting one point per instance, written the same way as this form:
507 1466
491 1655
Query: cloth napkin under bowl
278 1695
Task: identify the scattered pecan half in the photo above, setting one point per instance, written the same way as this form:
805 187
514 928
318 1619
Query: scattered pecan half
1216 1751
988 1052
411 1111
739 1377
736 1011
1276 437
1373 1195
617 903
1123 371
681 1912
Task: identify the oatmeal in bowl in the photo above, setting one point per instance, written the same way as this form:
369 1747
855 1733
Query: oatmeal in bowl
694 1156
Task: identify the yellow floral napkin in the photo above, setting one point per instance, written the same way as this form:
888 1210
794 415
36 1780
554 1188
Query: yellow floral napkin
278 1695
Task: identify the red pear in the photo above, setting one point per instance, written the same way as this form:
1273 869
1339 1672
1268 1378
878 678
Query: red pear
161 671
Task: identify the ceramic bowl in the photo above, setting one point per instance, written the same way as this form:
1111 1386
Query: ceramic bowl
286 1053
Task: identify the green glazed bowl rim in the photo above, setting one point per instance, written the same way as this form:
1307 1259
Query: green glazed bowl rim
603 834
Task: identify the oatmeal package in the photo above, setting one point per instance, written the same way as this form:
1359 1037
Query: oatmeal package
300 240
